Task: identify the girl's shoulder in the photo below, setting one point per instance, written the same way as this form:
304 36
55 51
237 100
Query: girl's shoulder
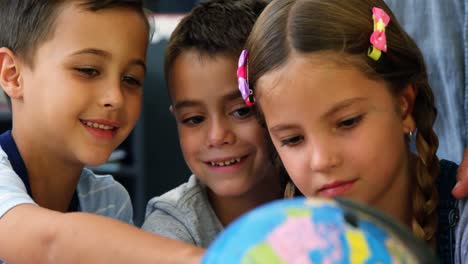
448 169
447 179
461 233
453 216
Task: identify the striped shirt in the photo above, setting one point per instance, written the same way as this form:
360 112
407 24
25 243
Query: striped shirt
98 194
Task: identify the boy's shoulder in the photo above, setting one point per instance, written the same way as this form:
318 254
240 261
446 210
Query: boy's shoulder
184 213
12 189
89 180
184 198
102 194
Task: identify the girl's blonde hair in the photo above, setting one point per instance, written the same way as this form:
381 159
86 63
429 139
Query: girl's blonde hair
344 27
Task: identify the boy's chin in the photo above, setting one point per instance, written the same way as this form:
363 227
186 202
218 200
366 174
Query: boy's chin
95 164
95 159
232 191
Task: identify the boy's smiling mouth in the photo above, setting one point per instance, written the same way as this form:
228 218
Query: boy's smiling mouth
225 162
97 125
101 129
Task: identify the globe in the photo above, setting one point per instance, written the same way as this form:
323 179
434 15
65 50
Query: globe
301 231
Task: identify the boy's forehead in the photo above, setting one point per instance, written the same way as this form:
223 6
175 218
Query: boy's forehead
203 76
212 104
109 29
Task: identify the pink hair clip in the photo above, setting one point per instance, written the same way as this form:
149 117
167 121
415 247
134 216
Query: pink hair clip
378 38
242 77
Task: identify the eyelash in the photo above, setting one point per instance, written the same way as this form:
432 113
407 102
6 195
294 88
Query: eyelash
131 81
88 72
350 122
345 124
247 112
92 73
292 141
193 120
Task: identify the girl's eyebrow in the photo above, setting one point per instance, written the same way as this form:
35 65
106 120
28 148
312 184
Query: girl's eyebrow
343 104
280 127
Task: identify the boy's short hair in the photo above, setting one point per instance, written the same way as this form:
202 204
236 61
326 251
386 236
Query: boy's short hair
26 24
214 27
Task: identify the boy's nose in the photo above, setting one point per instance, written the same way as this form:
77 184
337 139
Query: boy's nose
220 134
112 96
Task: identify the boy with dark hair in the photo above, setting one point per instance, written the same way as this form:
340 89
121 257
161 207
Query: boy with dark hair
221 140
73 71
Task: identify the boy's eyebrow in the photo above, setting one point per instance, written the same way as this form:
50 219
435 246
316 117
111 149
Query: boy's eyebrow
105 54
233 95
186 103
98 52
140 63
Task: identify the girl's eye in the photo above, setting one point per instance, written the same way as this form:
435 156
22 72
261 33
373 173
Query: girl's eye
242 112
194 120
88 72
132 81
292 141
350 123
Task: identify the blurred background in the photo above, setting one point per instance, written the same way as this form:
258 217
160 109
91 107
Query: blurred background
157 158
154 163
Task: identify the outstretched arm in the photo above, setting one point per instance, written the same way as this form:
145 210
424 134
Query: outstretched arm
461 188
30 232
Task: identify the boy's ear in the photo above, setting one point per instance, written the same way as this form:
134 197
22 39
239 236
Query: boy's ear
10 77
407 100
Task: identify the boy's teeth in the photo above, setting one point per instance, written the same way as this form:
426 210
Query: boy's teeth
96 125
225 163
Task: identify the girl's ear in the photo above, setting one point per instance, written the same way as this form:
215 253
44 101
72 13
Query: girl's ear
407 99
10 74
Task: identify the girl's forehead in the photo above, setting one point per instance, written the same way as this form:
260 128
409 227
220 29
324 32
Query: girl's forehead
299 67
317 85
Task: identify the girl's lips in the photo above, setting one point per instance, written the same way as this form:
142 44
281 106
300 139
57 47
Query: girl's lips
336 188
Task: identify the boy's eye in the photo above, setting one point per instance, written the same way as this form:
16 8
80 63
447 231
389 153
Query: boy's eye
88 72
350 122
242 112
292 141
132 81
194 120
